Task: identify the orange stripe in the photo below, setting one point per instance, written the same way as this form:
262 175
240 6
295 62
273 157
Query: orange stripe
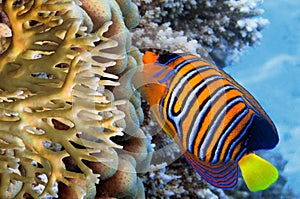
225 122
171 86
238 148
235 133
176 62
193 65
257 106
187 122
183 72
188 68
211 88
190 85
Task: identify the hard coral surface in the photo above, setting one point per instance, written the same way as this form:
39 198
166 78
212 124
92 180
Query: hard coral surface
221 29
65 72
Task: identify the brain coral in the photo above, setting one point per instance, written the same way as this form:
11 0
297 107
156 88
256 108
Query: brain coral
69 117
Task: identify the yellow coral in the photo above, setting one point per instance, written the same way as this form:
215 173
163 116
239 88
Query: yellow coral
59 103
52 92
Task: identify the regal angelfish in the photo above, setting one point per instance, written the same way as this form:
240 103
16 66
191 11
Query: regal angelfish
215 121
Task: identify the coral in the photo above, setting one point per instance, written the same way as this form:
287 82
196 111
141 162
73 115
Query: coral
222 29
179 180
70 117
5 32
123 183
67 106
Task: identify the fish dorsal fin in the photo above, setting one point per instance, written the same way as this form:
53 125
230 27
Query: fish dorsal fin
221 175
258 173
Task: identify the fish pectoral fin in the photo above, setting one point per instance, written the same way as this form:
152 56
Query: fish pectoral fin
221 175
258 173
150 57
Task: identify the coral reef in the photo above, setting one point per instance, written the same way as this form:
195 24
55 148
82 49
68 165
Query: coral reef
68 113
70 118
221 29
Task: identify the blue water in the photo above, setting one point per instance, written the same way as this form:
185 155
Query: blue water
271 72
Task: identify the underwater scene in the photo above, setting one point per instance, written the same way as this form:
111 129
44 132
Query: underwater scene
149 99
271 75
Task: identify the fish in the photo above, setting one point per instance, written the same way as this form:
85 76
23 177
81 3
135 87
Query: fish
217 123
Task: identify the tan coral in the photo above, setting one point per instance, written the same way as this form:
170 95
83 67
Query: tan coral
126 67
55 115
71 194
5 32
122 184
130 12
105 169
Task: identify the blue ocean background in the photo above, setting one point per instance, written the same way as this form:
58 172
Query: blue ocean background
271 72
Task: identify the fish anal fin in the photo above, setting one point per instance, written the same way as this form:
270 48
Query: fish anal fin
258 173
221 175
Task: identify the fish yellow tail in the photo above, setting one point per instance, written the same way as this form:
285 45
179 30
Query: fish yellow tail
258 173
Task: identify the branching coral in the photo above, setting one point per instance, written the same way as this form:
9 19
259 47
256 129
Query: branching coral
221 28
59 109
